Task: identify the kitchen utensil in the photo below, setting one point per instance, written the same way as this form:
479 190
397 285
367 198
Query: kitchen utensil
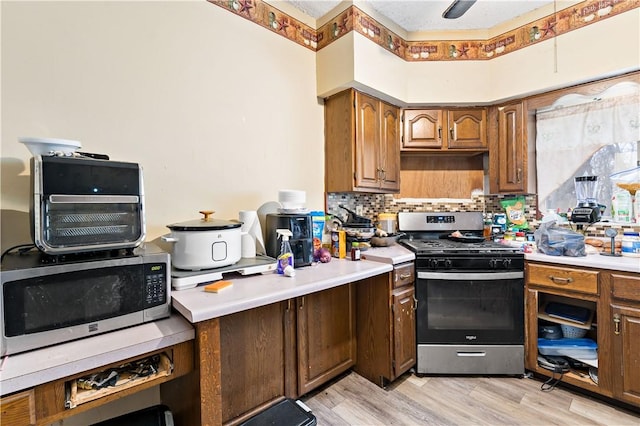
389 240
587 210
353 218
50 146
204 243
611 233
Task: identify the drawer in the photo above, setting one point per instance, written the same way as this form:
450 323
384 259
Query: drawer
578 280
625 287
403 275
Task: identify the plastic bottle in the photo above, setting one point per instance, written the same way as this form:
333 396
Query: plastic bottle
621 206
285 258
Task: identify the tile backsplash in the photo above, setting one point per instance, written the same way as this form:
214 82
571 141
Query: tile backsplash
369 205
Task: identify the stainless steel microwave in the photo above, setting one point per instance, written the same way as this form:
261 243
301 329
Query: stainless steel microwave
47 300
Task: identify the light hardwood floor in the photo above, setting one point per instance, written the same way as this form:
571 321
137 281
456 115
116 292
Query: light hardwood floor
435 400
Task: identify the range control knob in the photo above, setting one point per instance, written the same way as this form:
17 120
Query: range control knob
506 263
447 263
433 263
493 263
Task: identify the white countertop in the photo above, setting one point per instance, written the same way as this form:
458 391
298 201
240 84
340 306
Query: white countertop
24 370
622 263
248 292
394 254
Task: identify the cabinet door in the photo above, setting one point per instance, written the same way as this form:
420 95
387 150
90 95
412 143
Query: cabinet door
326 336
626 353
512 149
367 170
389 152
254 348
404 330
422 129
467 128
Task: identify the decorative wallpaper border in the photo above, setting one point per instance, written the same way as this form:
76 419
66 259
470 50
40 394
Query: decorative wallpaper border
353 19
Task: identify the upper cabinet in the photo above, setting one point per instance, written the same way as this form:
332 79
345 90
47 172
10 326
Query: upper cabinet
508 150
361 144
439 130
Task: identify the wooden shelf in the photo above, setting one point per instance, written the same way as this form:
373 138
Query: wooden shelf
126 379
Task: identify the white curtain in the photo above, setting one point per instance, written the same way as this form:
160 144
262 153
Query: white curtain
581 135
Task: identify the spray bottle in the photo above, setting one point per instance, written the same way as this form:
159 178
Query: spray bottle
285 258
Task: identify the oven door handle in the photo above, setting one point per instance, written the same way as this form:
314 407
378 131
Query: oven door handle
457 276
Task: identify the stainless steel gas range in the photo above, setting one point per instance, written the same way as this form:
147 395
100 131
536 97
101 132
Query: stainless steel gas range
470 292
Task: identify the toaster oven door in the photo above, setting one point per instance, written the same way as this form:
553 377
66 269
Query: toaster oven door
74 223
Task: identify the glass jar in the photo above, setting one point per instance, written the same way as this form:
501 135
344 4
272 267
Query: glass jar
355 251
631 244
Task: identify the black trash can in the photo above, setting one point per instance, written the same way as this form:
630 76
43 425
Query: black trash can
285 413
158 415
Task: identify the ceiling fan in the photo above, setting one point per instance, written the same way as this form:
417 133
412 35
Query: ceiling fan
457 9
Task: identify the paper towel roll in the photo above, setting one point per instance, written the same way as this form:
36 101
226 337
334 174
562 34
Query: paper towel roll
251 239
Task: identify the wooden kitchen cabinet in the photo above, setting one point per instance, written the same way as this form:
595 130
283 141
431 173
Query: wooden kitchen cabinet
386 325
361 144
441 130
615 299
284 349
255 351
624 333
326 335
508 149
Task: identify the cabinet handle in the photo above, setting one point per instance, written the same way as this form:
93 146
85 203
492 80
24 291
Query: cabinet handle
560 280
440 133
451 134
415 303
616 324
405 276
301 302
519 175
383 176
288 305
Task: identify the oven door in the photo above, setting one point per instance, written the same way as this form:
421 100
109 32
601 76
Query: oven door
471 308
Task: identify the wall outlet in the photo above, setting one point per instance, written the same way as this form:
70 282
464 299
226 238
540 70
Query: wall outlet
359 209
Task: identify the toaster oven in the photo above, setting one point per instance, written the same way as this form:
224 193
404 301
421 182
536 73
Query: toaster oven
83 204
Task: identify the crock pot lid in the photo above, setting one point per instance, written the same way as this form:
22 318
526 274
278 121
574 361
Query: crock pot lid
202 225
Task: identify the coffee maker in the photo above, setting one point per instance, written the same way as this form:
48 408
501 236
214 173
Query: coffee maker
301 226
587 210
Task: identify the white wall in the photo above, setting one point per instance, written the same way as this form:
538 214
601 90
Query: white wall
609 47
220 112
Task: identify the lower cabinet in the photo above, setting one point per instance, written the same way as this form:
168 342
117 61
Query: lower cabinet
285 349
614 299
386 325
625 335
326 336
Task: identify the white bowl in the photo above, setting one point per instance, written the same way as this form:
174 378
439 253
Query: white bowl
48 146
